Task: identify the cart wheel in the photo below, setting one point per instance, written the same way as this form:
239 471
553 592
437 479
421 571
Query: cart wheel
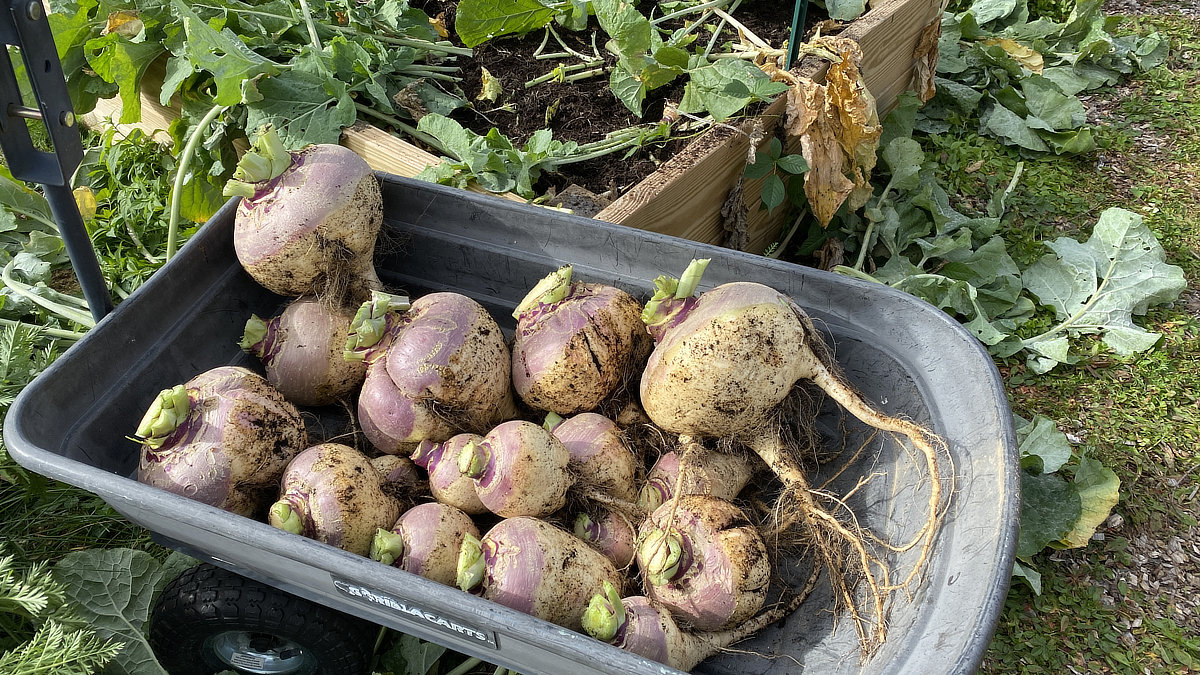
210 620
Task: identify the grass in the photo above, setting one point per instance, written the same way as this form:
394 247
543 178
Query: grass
1100 609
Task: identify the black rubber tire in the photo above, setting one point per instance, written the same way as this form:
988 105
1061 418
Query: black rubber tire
205 610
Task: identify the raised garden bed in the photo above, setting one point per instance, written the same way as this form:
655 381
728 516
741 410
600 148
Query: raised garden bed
686 194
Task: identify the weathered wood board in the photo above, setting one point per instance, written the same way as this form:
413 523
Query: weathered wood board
684 197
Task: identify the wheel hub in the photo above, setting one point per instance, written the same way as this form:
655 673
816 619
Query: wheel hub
260 653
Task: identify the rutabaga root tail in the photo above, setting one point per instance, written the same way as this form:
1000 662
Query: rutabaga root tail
841 547
931 446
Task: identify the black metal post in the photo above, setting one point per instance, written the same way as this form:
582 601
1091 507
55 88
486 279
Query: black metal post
23 25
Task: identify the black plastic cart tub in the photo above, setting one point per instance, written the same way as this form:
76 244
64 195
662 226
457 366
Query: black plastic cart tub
905 356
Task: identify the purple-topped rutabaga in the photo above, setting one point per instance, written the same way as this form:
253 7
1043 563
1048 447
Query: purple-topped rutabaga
302 352
426 541
446 483
450 356
704 561
308 220
393 421
709 472
333 494
600 457
575 343
610 533
534 567
519 469
222 438
639 625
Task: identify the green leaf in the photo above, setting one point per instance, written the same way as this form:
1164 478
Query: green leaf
122 62
30 205
1029 575
114 590
845 10
1011 128
904 157
1096 286
304 107
220 52
773 192
985 11
1048 103
793 164
1043 448
477 21
1050 507
1099 490
628 89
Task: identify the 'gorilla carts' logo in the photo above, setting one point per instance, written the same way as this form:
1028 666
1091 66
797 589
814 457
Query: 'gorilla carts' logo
420 613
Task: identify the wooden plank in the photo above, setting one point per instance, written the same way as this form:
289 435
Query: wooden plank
685 196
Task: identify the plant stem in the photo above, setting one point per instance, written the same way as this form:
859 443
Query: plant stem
44 330
185 158
689 10
415 43
720 27
405 127
65 311
312 26
560 73
465 667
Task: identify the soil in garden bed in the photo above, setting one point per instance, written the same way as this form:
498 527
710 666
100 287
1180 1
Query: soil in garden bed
585 110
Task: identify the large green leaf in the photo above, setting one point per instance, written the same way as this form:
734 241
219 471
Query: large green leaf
116 59
477 21
1049 509
1097 286
221 53
1044 449
114 590
304 107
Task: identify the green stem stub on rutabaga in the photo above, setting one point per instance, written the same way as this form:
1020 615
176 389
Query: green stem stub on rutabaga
605 614
471 565
370 323
664 553
387 547
669 291
552 288
266 159
165 415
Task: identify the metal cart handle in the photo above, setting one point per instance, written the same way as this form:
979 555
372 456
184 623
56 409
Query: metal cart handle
23 25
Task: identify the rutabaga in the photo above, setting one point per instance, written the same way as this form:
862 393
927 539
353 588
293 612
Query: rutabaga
575 343
333 494
308 220
222 438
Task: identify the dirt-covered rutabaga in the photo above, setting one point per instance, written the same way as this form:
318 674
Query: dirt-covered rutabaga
724 364
426 541
575 343
534 567
393 421
302 352
600 459
401 479
333 494
609 532
695 470
447 483
519 469
222 438
639 625
449 356
704 561
308 220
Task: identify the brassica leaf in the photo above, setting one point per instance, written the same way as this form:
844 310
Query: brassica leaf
1097 286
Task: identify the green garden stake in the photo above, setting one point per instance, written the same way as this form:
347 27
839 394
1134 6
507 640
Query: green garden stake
799 15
